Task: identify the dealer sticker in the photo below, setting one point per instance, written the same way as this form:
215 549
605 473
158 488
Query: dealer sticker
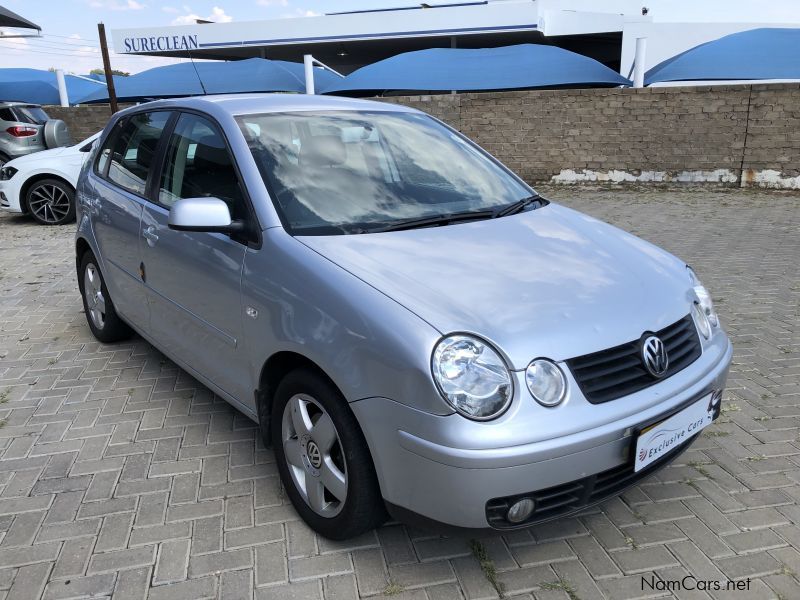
655 441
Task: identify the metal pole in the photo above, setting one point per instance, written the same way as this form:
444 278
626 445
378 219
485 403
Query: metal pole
639 62
112 94
62 87
308 63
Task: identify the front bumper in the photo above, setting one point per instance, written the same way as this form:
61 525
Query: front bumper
8 201
422 476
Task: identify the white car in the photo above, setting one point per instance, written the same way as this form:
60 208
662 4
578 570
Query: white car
42 184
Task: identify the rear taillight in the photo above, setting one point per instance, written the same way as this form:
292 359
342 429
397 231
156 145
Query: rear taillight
22 131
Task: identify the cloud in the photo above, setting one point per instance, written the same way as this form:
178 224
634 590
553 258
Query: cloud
300 12
217 15
117 4
20 45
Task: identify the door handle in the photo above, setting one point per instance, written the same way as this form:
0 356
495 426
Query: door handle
150 235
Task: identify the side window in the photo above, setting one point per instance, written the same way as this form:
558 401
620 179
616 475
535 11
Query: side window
133 149
102 156
198 163
7 115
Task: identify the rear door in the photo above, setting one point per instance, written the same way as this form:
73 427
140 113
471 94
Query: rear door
121 170
193 278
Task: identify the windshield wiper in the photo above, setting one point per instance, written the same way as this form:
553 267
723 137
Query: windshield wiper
433 221
516 206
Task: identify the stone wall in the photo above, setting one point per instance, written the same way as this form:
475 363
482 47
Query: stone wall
729 135
734 135
83 121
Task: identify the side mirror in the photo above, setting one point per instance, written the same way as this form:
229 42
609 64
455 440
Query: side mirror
203 214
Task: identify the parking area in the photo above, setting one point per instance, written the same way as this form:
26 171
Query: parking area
120 474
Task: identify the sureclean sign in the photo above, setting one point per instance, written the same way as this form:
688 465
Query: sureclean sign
163 42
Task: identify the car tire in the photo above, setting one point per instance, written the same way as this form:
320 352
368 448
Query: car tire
51 202
306 396
101 315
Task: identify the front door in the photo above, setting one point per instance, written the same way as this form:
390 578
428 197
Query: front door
193 279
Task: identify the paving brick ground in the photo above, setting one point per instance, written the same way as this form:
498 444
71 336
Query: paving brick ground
119 474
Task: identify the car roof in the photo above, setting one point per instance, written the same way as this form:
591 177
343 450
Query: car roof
242 104
7 103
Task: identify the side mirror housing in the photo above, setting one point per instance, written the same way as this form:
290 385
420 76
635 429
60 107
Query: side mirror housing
203 214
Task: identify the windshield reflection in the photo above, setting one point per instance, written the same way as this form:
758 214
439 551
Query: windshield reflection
353 172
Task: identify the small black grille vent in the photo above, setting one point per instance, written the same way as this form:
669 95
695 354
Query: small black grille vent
618 371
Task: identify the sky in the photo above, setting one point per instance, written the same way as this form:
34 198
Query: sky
69 27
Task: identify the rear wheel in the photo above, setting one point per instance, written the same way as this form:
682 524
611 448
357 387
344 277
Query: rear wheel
101 315
51 202
323 458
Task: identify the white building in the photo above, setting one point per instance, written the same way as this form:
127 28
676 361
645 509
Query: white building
606 31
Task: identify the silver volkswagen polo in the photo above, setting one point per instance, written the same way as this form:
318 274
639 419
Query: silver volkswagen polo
414 329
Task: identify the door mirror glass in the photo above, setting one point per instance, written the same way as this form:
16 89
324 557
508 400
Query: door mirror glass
202 214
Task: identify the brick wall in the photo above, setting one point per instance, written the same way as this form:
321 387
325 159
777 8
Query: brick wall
732 135
83 121
685 134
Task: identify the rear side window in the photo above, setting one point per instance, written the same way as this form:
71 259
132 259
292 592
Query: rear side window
31 114
130 151
7 115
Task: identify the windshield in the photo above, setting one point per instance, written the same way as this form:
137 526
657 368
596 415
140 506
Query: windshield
31 114
340 172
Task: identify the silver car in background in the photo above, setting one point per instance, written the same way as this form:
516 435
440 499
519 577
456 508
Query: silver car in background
26 128
411 325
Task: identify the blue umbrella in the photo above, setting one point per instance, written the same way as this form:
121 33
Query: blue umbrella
508 67
184 79
41 87
767 53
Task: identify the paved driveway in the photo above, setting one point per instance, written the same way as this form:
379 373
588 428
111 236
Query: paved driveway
122 475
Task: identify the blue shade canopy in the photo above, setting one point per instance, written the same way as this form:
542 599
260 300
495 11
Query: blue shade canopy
767 53
41 87
251 75
509 67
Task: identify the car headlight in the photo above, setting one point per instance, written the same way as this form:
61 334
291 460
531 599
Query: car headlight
7 173
545 381
701 320
703 299
472 377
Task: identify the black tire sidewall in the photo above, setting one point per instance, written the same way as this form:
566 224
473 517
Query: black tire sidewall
69 217
364 508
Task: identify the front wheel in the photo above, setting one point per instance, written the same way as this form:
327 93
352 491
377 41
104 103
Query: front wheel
101 315
51 202
323 458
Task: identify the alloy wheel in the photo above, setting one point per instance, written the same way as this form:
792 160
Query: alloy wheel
93 292
314 455
49 202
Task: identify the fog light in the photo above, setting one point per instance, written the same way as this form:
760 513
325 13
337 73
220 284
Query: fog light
520 510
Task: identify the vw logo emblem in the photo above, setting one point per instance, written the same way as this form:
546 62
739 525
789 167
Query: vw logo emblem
314 455
654 356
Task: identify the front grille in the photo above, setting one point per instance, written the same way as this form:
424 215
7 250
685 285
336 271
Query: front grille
618 371
571 497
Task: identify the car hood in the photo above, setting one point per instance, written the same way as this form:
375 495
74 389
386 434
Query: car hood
550 282
36 156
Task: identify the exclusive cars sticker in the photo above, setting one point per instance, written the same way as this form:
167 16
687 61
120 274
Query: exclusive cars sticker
671 433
